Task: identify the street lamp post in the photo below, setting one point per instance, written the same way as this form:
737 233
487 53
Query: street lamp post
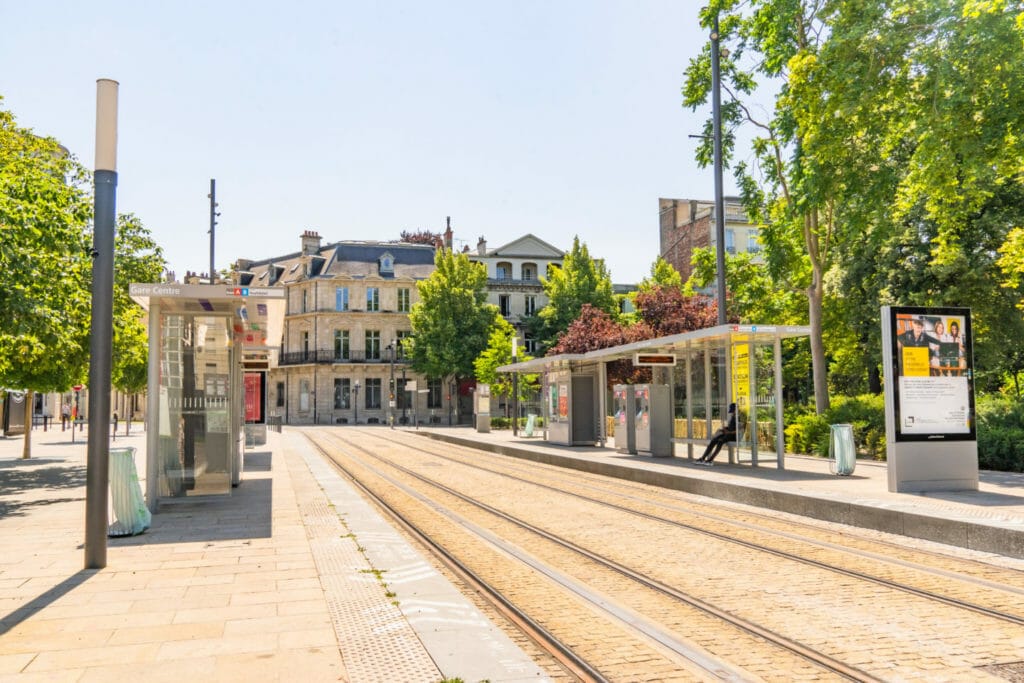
405 396
716 114
391 393
355 403
515 388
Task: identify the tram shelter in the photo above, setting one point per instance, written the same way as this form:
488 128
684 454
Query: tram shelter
210 347
694 377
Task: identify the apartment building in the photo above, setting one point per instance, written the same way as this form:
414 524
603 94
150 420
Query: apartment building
686 224
513 278
341 358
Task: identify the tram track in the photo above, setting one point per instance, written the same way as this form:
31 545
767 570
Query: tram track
1005 588
711 666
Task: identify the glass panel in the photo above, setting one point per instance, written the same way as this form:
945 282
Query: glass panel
195 408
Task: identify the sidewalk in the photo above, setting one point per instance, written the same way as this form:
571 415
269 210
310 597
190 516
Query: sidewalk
291 577
989 520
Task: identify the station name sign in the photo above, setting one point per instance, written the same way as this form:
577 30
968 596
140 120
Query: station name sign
203 291
654 359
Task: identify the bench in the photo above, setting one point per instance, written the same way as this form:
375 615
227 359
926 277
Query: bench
704 441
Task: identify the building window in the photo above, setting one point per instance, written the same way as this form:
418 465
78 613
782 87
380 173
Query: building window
342 393
280 394
531 304
730 240
402 336
341 299
434 393
372 345
504 271
404 300
341 345
400 395
304 395
305 301
305 345
372 299
387 263
505 304
754 242
530 271
373 393
530 344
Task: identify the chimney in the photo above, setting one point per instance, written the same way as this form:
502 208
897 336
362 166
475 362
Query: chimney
448 234
243 264
481 246
310 242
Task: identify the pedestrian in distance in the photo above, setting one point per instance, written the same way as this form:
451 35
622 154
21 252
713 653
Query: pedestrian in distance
65 416
722 436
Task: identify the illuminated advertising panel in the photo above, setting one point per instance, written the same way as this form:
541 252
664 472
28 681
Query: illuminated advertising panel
933 367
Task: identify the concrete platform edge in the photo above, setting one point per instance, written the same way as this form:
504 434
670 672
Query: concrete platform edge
958 533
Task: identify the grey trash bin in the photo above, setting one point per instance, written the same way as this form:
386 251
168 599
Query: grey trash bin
842 452
131 516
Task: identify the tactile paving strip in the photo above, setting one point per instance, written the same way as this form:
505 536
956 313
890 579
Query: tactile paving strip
377 643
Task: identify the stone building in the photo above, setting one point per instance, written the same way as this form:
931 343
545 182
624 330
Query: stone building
341 358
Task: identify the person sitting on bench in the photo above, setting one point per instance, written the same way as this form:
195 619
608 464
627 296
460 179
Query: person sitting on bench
722 436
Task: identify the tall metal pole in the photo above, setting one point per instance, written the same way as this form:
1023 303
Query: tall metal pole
101 325
716 113
391 388
213 223
515 388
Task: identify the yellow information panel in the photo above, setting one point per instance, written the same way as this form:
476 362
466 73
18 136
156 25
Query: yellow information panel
741 372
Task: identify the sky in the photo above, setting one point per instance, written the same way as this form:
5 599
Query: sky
362 119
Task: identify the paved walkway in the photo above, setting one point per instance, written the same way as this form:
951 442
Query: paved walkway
292 577
295 576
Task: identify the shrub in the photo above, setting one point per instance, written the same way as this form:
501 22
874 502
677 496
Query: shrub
808 433
1000 433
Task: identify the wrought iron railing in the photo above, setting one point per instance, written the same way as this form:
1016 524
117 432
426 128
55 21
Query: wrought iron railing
331 356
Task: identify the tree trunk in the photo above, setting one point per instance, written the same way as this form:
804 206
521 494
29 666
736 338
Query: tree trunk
26 446
815 297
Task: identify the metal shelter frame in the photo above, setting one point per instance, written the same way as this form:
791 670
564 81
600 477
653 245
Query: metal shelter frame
725 339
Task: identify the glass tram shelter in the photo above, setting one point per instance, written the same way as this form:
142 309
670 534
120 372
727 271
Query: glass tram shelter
210 347
694 377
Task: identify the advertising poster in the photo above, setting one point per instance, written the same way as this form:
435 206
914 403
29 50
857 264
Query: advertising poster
933 368
741 372
254 397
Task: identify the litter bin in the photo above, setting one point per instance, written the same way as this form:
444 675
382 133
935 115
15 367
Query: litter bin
131 516
842 452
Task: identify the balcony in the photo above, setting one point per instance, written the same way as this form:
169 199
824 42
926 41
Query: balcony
327 356
508 282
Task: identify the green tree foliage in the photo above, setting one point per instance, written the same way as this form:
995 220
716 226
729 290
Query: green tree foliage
663 274
498 353
452 322
753 296
137 258
581 280
793 201
890 169
44 264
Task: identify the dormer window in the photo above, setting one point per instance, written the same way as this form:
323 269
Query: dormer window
387 264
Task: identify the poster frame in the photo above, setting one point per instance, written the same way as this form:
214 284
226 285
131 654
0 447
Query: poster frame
902 313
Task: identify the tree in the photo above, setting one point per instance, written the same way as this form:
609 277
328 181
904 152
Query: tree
666 310
452 321
44 264
137 258
752 294
581 280
498 353
595 329
421 236
663 274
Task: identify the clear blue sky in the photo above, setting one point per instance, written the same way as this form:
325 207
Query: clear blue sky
361 119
